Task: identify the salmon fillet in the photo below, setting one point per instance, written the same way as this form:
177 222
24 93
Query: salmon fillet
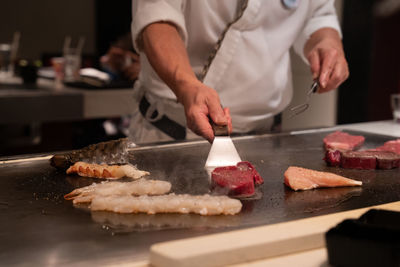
299 178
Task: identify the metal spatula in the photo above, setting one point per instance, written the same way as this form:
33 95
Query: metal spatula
223 151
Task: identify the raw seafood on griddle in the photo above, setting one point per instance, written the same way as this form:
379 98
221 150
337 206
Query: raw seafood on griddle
106 171
298 178
171 203
111 152
134 188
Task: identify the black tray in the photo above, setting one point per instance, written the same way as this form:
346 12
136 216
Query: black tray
371 240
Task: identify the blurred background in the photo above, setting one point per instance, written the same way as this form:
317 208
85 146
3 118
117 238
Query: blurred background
39 115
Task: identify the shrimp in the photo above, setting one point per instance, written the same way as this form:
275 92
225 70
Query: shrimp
137 188
106 171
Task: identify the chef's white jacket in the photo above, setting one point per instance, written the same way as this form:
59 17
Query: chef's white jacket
251 71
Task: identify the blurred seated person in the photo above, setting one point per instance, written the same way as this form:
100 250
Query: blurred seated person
121 61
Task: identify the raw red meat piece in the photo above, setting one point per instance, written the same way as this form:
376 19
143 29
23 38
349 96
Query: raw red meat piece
366 160
333 157
358 160
236 180
245 165
232 181
393 146
343 141
387 159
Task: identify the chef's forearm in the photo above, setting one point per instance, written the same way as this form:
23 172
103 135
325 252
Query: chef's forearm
167 55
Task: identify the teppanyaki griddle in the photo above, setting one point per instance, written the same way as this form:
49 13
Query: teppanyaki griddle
39 227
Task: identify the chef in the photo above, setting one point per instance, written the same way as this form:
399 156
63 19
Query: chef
227 61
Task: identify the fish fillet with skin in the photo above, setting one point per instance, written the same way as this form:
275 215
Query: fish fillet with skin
299 178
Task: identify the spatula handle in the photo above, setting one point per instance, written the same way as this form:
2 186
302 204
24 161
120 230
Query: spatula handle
219 130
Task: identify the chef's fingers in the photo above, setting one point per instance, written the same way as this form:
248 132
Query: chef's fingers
200 125
216 111
313 59
339 74
228 115
328 59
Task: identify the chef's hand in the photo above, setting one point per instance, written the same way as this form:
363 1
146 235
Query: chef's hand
325 54
201 103
121 61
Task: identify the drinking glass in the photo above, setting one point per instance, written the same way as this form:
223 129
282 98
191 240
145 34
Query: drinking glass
5 60
395 101
72 65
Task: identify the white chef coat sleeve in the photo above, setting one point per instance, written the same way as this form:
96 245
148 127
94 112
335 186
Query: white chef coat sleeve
145 12
322 15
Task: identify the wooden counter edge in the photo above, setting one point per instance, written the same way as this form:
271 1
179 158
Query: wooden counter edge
253 244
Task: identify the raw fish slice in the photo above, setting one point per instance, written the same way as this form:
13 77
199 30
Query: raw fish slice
299 178
202 204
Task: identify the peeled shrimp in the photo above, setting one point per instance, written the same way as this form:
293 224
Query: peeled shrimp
171 203
117 189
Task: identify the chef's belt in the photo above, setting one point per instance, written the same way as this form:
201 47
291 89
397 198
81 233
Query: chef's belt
164 124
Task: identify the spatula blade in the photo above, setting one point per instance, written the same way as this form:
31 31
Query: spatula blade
222 153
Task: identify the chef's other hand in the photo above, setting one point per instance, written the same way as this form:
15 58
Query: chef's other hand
132 66
201 103
325 54
121 61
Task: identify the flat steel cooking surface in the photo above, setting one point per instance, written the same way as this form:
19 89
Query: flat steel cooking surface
39 227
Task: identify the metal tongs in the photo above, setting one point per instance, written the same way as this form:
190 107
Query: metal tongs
303 107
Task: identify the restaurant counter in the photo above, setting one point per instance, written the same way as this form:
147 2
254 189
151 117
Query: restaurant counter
42 102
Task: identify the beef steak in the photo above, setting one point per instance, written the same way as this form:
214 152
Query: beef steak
245 165
236 180
392 145
366 160
343 141
358 160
